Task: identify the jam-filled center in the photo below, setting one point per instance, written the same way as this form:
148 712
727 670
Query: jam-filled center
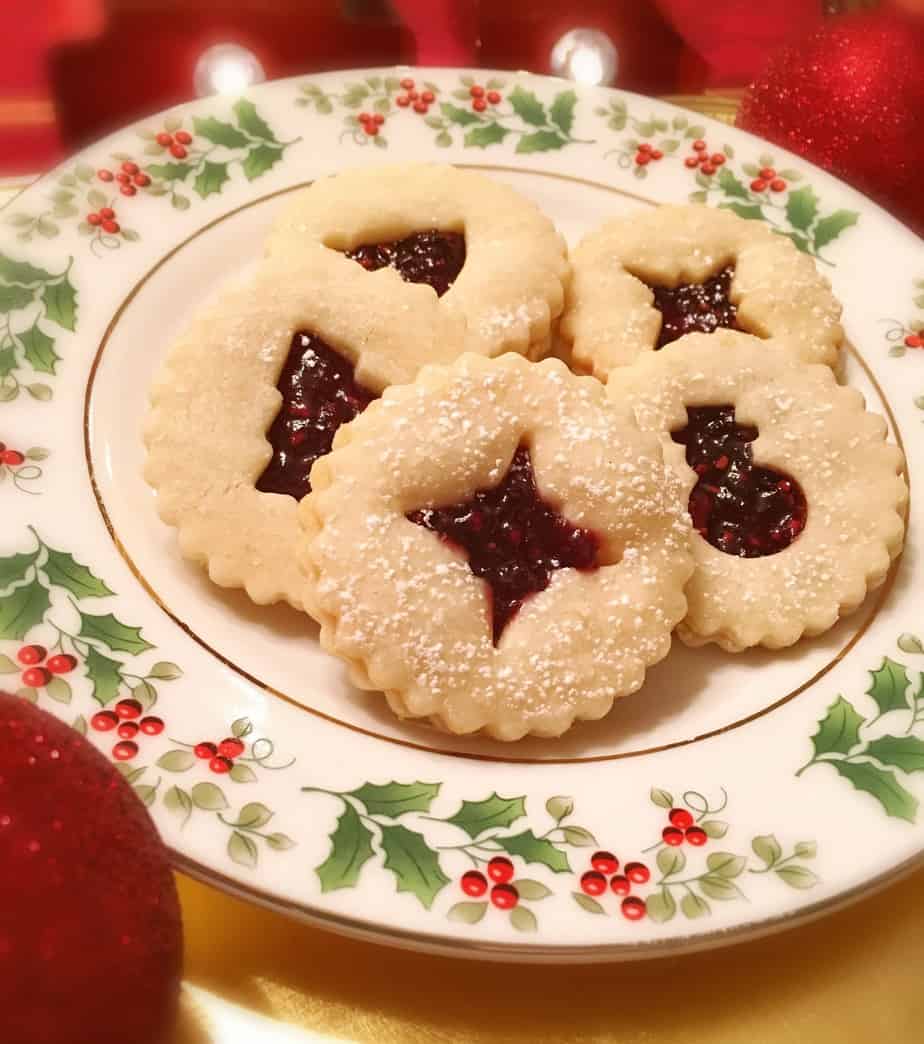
740 507
695 307
319 393
432 257
514 539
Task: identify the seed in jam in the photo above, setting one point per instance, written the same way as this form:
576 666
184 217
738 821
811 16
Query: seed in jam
514 539
432 257
692 307
740 507
319 393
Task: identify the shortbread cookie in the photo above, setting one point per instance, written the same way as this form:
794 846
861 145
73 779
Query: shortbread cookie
496 547
491 256
640 282
796 498
252 393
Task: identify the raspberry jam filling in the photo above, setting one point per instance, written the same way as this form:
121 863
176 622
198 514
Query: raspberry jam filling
431 257
693 307
319 393
514 539
739 507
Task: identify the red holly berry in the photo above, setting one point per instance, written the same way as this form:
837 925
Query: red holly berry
128 190
36 677
691 161
104 175
767 173
696 835
493 97
645 147
370 128
474 883
205 750
178 152
593 883
125 750
231 747
638 873
164 139
619 885
122 178
605 862
364 117
717 159
500 869
672 836
152 726
679 817
412 95
407 83
657 154
129 167
633 908
758 185
479 104
141 180
12 458
707 169
429 96
128 730
104 721
777 185
220 765
127 710
378 118
641 158
914 341
63 663
112 227
183 137
107 212
421 107
403 100
475 91
699 145
504 896
94 219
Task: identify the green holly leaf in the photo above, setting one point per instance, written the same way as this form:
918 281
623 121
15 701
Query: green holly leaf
241 773
714 828
902 752
147 793
802 207
250 121
129 773
578 837
527 106
523 919
443 139
113 633
170 171
671 861
254 815
717 887
260 159
661 906
486 134
888 686
467 913
725 864
559 808
474 817
21 272
530 890
561 111
661 798
8 666
80 725
39 349
693 906
395 799
830 227
64 571
586 903
541 141
12 298
163 670
210 798
22 609
839 731
242 850
731 186
211 178
240 727
910 643
415 865
748 211
145 694
15 567
58 690
454 114
218 132
179 802
880 784
695 132
60 300
351 849
28 694
767 848
7 361
280 842
532 849
806 849
797 876
106 675
176 761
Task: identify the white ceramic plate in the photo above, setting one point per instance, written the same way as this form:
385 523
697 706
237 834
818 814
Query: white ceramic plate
801 769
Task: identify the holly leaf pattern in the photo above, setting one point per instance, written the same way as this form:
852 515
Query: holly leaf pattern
748 211
527 106
523 919
661 798
105 674
467 913
21 272
170 171
902 752
541 141
211 178
395 799
797 876
119 637
839 730
587 903
463 117
12 298
485 135
39 349
561 111
661 906
415 865
725 864
767 848
179 802
64 571
716 887
60 300
242 850
830 227
888 686
880 784
15 567
474 817
731 186
7 361
218 132
802 207
22 609
694 906
209 797
249 120
351 849
532 849
260 159
671 861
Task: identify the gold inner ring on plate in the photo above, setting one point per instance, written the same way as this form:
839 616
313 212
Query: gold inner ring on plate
881 595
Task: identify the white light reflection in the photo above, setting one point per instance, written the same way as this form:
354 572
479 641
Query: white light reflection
586 56
226 69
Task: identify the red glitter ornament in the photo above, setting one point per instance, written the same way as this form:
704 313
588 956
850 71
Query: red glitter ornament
90 935
850 98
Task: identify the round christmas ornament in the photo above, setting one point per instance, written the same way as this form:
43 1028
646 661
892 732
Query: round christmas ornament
850 98
90 934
